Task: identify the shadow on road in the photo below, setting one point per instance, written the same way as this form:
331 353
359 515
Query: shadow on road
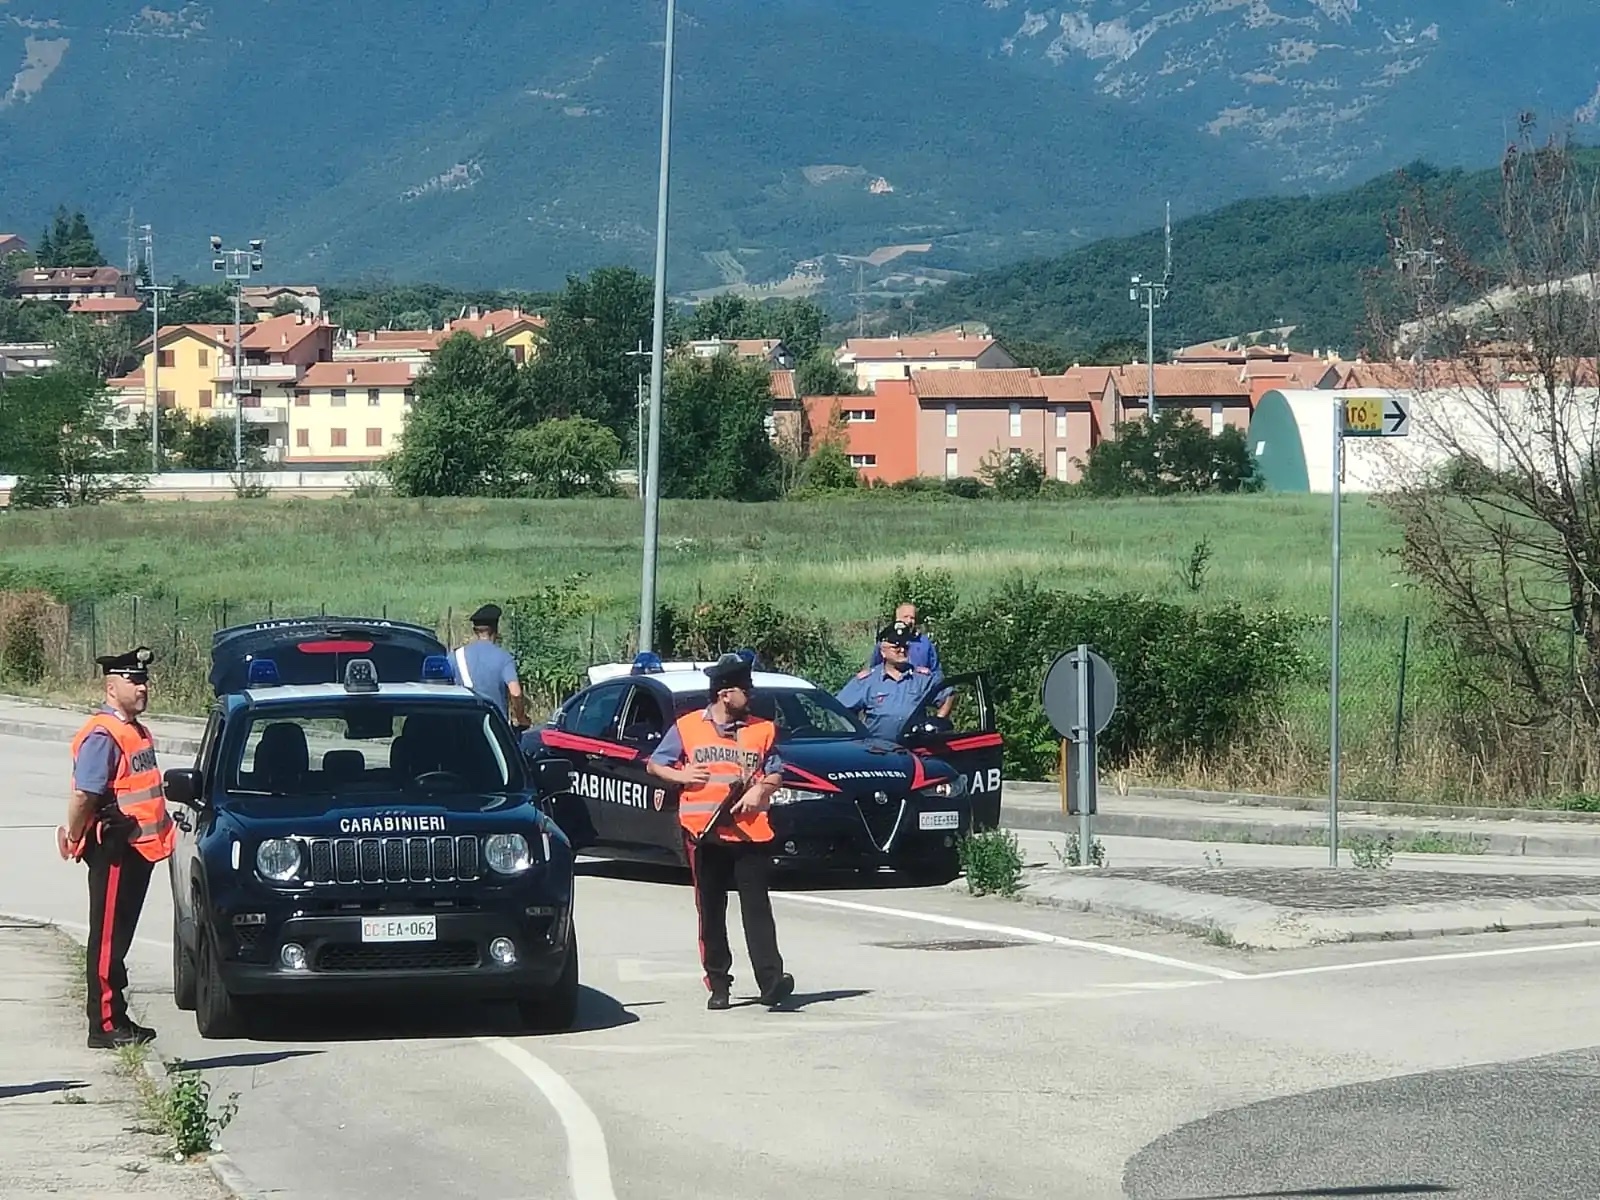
1353 1191
260 1059
11 1091
783 879
800 1001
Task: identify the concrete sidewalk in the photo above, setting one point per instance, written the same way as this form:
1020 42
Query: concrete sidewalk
70 1119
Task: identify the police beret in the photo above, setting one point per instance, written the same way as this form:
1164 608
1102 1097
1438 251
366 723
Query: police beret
731 670
135 664
898 634
486 616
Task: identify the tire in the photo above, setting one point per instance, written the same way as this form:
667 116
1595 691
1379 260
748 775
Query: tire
183 969
555 1010
217 1012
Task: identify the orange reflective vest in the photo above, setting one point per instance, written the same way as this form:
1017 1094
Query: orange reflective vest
728 759
136 787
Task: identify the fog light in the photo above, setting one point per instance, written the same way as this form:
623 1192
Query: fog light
293 957
790 848
502 951
948 841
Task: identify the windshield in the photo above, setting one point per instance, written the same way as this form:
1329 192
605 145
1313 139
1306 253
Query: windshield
801 714
370 744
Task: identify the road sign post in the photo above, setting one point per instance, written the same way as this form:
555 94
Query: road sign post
1353 416
1079 696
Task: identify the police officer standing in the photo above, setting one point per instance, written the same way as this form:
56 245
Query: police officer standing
885 695
483 665
117 822
707 752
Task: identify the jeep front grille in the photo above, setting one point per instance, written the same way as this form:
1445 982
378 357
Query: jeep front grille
394 859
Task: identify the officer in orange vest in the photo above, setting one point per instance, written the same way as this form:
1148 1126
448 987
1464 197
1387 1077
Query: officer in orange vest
707 752
117 822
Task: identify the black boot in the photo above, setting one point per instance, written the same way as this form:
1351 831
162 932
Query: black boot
100 1039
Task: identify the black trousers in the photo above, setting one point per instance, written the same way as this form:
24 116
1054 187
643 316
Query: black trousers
119 877
716 866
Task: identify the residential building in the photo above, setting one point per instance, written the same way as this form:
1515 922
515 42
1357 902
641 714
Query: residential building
12 243
899 357
1216 396
64 285
966 416
105 309
387 345
771 351
25 358
261 299
349 412
517 330
879 431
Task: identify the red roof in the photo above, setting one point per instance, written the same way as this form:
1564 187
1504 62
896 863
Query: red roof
959 347
357 373
106 304
783 386
1003 383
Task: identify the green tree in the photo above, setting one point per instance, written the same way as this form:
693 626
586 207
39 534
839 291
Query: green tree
1046 358
582 369
1012 476
819 375
454 445
206 443
202 304
1172 454
54 437
285 306
560 458
68 242
714 439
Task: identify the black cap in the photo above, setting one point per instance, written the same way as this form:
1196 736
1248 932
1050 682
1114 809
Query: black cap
134 665
730 670
898 634
486 617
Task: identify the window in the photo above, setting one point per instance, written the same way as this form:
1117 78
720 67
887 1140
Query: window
336 437
863 460
205 356
1016 420
599 710
950 471
338 397
302 438
302 397
374 397
1218 422
642 720
170 399
1014 454
856 416
949 420
1061 422
411 394
1061 463
166 359
205 398
374 437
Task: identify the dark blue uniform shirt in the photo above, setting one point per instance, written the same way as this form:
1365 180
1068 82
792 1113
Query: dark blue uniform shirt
884 702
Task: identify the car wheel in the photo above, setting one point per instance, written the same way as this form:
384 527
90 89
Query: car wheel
556 1009
183 972
217 1013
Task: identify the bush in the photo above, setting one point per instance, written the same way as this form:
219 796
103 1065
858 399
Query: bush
1188 680
992 861
539 632
747 618
32 631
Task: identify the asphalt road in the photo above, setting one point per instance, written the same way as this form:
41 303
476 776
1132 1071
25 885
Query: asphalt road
940 1047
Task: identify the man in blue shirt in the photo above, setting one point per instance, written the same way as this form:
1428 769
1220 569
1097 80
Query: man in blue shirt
885 695
922 651
485 667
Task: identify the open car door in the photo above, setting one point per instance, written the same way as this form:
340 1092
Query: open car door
957 724
309 650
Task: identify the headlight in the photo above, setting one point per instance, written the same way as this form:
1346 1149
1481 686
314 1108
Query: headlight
795 795
946 789
278 859
507 853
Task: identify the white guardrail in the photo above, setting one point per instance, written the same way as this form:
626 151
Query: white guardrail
202 485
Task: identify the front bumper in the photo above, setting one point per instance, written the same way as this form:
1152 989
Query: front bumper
455 962
859 832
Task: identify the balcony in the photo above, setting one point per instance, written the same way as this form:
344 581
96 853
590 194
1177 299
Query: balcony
258 373
266 414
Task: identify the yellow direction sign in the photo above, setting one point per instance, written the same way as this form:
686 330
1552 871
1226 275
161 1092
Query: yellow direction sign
1376 416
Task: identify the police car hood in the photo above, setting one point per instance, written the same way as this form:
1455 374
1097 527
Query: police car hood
856 764
382 812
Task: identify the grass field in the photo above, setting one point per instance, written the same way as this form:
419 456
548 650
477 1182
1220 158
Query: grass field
433 560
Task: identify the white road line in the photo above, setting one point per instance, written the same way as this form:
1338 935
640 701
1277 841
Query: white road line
1421 959
588 1165
1031 935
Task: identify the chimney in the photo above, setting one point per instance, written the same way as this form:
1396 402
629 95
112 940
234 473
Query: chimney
349 374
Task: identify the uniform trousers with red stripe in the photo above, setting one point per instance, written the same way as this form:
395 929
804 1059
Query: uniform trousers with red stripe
716 866
119 876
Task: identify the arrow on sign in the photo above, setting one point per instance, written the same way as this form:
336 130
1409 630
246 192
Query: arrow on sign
1396 417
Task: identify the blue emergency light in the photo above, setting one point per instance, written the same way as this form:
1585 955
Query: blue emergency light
647 663
263 673
436 668
748 655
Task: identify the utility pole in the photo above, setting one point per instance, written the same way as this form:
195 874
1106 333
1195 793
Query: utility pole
237 266
155 291
1155 294
639 419
652 500
1421 265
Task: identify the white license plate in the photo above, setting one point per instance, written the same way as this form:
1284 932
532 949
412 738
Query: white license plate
939 820
399 929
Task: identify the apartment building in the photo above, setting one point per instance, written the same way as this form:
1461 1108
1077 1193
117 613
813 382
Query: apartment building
964 417
66 285
770 351
899 357
349 412
515 329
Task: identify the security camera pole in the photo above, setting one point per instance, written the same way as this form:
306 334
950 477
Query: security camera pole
236 266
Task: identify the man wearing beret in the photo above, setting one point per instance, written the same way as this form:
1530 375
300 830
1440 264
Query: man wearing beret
483 665
708 751
117 823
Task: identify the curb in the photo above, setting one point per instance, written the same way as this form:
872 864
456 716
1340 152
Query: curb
223 1169
44 731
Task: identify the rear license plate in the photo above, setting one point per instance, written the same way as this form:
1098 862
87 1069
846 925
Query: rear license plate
939 820
399 929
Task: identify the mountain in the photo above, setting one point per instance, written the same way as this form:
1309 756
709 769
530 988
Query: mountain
494 144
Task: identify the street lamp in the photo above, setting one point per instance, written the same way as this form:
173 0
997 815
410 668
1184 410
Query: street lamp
647 593
639 419
155 291
1155 292
236 266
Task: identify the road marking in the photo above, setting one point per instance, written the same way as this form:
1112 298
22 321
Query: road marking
1454 956
588 1165
1030 935
640 970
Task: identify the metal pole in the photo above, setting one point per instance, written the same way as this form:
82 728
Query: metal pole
1400 698
238 383
1333 683
1150 346
647 595
1085 758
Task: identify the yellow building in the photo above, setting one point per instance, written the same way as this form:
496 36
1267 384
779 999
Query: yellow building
349 412
517 331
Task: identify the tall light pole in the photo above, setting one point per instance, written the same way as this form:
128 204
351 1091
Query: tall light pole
647 594
237 266
639 419
1155 293
155 291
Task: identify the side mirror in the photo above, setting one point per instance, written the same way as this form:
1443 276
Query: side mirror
552 775
183 785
